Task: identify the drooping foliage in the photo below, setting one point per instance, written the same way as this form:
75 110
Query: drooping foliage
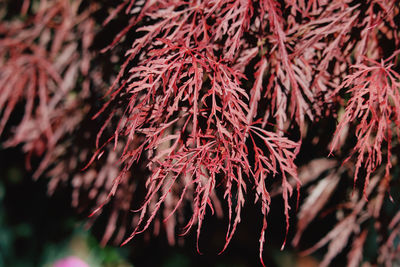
213 101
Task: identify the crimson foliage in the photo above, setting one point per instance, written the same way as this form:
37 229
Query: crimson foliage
214 101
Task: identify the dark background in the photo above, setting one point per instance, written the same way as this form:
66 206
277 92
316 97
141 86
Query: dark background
36 229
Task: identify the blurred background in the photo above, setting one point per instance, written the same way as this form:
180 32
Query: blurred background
38 230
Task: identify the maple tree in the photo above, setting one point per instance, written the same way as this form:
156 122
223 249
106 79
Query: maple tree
212 101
